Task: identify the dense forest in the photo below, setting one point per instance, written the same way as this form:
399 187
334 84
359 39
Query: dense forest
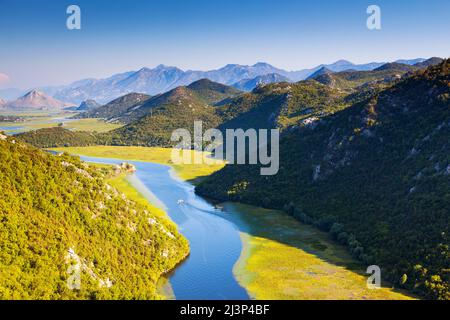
59 137
376 175
58 213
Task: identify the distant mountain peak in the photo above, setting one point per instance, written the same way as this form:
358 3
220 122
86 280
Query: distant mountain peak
36 99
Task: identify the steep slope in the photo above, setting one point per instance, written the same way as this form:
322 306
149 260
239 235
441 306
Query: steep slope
114 109
280 105
2 103
59 215
250 84
376 175
35 100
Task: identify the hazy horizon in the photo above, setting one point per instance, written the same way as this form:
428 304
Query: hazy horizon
202 35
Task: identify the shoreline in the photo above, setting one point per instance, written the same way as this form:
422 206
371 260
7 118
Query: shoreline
163 285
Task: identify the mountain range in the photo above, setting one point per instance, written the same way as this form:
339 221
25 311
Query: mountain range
149 120
164 78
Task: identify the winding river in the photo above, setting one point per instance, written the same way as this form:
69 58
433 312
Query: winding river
214 241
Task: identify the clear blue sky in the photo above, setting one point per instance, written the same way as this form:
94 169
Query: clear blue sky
116 36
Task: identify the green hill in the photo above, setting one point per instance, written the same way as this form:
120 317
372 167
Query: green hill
281 105
58 137
58 212
179 109
375 174
114 109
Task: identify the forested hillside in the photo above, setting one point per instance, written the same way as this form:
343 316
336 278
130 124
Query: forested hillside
58 137
375 174
57 212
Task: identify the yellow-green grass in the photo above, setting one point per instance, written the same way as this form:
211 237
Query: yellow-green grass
285 259
91 124
191 172
28 113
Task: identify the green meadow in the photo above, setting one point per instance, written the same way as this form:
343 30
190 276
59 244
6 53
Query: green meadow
34 121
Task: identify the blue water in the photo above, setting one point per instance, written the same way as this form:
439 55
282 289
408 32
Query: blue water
10 128
215 243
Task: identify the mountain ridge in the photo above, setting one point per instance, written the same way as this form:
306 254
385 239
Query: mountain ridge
163 78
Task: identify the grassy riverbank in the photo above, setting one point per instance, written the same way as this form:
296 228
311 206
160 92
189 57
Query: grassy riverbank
189 172
284 259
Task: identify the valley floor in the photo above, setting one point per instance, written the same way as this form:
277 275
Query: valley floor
38 120
282 258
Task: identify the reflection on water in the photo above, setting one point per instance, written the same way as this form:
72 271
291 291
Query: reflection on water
215 242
